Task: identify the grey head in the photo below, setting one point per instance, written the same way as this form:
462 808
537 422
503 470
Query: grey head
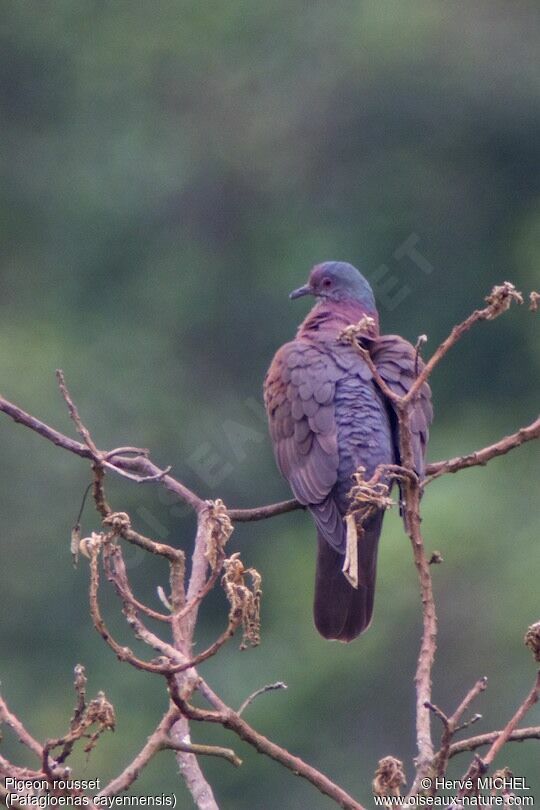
338 281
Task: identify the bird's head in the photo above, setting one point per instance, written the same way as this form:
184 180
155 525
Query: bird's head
338 281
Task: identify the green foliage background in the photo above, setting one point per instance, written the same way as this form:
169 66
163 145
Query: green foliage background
170 170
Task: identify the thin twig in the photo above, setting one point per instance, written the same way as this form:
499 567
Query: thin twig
254 695
74 413
472 694
472 743
437 712
421 341
499 301
205 750
121 451
470 722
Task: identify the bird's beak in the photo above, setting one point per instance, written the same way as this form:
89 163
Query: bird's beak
305 290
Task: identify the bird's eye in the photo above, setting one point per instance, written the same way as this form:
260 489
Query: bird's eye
327 282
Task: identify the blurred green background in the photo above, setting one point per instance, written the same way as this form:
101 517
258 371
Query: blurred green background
170 170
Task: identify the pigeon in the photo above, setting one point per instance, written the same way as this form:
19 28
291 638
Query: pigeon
330 421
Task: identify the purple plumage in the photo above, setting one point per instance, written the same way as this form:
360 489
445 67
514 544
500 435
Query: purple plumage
327 417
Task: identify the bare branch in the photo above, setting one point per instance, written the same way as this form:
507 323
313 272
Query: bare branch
125 593
421 341
437 712
156 643
7 768
472 743
116 573
230 719
213 531
481 457
191 772
428 645
121 451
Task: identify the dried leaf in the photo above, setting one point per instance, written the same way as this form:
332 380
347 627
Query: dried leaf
244 599
75 543
389 777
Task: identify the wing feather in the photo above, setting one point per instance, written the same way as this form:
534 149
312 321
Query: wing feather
299 398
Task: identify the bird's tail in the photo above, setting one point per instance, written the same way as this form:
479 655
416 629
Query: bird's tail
341 611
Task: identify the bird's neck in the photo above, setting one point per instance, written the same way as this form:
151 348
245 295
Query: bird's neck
329 319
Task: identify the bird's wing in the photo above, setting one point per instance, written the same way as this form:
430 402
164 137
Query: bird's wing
299 397
395 359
